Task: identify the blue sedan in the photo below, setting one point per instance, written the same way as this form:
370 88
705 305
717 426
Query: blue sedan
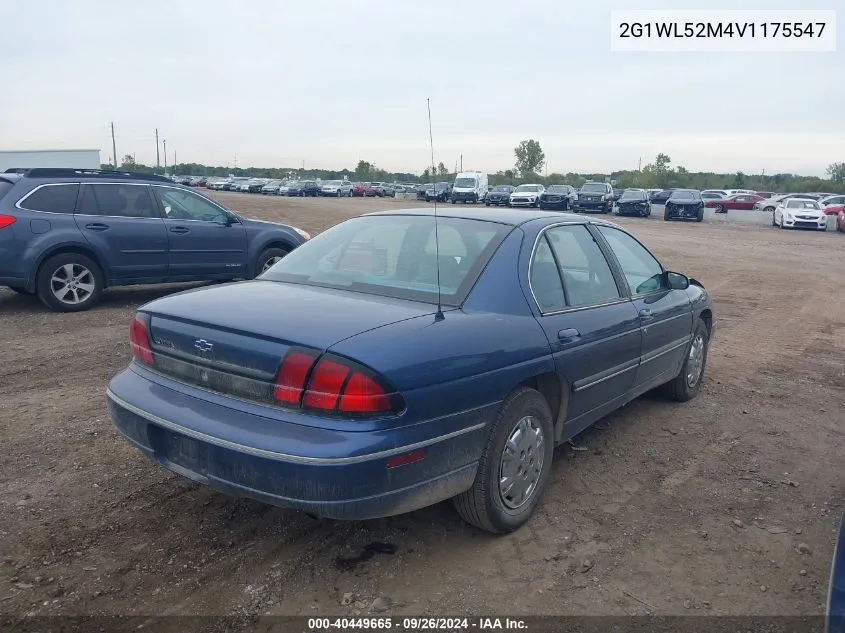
397 360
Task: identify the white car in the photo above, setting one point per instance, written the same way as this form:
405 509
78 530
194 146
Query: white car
799 213
336 188
769 204
526 196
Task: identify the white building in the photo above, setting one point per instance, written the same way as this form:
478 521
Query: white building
77 158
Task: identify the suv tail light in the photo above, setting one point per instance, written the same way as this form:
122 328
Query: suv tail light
7 220
333 385
139 340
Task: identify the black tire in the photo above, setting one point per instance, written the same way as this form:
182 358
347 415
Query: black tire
700 217
482 505
719 208
771 209
267 255
339 193
666 215
773 219
679 388
486 204
44 282
537 204
20 291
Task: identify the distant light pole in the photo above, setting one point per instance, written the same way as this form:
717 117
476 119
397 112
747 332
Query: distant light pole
164 142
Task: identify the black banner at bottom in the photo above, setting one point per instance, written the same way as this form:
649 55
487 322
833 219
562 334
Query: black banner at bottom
431 624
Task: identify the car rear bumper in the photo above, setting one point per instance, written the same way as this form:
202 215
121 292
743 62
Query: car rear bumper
332 473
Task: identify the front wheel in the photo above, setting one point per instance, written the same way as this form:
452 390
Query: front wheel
514 467
268 258
700 217
69 282
666 215
686 385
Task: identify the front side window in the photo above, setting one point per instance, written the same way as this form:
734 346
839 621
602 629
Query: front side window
54 198
179 204
587 278
116 200
395 256
642 271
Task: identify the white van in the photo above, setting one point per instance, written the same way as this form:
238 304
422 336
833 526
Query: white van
470 186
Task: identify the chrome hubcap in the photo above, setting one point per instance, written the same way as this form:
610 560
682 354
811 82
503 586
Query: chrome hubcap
270 263
72 283
695 361
522 462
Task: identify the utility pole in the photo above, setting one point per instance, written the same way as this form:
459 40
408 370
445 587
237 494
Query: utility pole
164 142
113 147
158 160
640 164
763 179
462 162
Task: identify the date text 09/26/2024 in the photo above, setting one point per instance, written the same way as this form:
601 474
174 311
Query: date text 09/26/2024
723 31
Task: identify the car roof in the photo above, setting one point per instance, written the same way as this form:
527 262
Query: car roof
513 217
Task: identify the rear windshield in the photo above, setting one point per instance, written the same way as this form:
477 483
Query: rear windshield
594 187
5 186
395 256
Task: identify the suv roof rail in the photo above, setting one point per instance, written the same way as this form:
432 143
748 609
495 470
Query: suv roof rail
65 172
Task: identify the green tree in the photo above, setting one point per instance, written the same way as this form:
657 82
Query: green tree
363 170
836 171
128 162
739 180
441 169
529 157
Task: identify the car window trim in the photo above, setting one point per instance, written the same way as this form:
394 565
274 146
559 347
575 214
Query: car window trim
623 290
618 266
122 217
48 184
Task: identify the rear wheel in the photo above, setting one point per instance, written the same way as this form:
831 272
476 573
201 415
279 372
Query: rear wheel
719 208
269 257
514 466
69 282
686 385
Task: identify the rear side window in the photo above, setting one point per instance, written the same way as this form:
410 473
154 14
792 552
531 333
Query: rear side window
117 200
53 198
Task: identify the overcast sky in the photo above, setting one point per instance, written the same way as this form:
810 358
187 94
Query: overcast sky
276 83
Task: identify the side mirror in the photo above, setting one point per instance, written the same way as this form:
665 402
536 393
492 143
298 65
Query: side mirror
677 281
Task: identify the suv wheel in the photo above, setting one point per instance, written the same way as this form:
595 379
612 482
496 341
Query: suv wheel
69 282
268 258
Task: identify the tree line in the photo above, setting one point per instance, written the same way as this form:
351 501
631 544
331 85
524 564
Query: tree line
529 162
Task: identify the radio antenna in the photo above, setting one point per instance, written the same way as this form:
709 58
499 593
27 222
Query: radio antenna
439 314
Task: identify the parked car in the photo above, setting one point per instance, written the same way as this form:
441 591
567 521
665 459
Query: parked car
684 204
499 195
469 186
526 196
558 197
235 184
740 201
595 196
835 612
284 188
439 192
382 189
336 188
660 197
712 195
271 187
365 190
831 201
652 192
799 213
617 193
255 185
770 203
115 229
634 202
304 188
410 399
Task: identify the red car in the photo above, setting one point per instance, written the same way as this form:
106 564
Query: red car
834 209
840 221
365 190
743 201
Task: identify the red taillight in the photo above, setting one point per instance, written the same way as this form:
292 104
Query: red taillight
333 385
290 382
7 220
139 341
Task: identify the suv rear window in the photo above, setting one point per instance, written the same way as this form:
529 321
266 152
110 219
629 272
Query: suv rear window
58 198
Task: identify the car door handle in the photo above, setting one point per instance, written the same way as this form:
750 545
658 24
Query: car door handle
569 334
646 315
96 226
179 229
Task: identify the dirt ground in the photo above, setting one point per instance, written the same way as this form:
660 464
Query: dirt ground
725 505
